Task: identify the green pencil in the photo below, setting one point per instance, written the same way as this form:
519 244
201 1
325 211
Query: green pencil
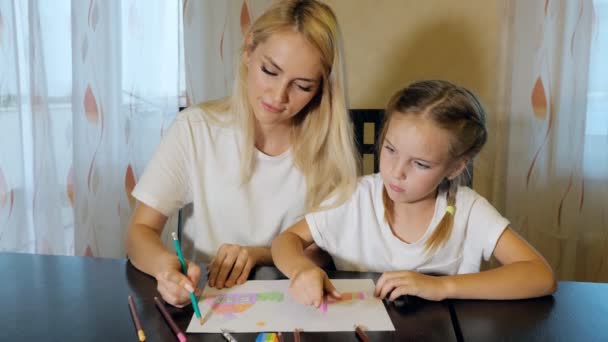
180 256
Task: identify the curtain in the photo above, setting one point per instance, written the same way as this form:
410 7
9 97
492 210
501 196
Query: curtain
550 170
87 89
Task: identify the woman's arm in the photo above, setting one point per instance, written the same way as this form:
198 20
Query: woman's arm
524 274
148 254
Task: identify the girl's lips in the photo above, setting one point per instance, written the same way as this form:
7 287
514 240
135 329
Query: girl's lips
271 108
396 188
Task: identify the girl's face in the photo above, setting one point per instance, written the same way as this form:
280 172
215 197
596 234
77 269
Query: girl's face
415 159
284 74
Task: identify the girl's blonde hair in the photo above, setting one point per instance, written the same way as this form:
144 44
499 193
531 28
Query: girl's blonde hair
454 109
323 146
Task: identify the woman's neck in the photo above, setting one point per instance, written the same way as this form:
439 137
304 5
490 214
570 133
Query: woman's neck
273 140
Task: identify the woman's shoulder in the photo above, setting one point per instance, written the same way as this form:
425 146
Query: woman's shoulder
210 113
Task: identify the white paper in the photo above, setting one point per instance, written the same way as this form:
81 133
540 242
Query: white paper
266 305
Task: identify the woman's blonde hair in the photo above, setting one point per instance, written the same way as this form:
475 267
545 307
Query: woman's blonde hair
323 146
454 109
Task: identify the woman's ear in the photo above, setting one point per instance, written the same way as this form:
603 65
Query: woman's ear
248 50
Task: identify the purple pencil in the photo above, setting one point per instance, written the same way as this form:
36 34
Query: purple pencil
180 335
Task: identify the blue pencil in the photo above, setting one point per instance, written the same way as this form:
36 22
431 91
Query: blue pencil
180 256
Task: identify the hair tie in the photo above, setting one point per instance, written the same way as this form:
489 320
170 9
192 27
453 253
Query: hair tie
450 209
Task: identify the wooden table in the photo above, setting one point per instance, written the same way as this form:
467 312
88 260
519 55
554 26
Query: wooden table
576 312
61 298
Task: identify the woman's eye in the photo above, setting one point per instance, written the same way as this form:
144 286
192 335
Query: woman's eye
306 89
266 71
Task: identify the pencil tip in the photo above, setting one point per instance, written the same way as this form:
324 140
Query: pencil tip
174 235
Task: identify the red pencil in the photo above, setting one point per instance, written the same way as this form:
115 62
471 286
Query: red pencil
361 334
180 335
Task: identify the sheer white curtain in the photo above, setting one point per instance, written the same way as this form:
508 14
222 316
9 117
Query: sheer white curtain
86 90
551 169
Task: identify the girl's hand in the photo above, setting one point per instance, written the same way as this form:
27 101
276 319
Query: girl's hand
231 265
309 285
399 283
174 286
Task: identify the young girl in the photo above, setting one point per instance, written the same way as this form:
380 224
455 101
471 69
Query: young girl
252 164
413 219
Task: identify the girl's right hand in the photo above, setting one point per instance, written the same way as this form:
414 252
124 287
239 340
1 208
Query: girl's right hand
175 287
309 285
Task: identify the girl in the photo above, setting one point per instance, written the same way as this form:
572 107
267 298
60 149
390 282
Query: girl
251 164
413 219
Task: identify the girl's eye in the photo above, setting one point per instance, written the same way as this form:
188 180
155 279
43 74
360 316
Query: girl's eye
421 165
390 149
266 71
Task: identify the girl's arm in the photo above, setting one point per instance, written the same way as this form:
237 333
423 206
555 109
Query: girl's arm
288 249
308 281
524 274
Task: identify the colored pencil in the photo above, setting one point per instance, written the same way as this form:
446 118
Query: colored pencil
140 330
180 335
296 335
193 299
361 334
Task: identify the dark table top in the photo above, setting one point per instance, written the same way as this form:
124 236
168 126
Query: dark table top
66 298
576 312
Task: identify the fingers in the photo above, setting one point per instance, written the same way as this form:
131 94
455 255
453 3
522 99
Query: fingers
194 272
385 284
331 289
245 274
238 267
231 266
173 287
216 264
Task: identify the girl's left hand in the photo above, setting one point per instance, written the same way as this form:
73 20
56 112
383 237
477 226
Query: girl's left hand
399 283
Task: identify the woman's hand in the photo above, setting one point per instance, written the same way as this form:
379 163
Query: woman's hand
174 286
231 265
399 283
309 285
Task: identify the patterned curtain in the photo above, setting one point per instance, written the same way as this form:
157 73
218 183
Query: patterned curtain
86 90
551 165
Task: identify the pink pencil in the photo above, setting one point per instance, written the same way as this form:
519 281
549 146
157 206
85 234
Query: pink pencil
180 335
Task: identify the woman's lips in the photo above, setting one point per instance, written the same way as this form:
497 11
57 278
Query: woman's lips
396 188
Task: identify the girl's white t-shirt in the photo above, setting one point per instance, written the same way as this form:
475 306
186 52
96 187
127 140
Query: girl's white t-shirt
358 237
198 163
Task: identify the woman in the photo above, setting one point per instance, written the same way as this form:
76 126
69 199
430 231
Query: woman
254 163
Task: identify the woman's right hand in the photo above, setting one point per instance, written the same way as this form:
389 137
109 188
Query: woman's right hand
309 285
174 286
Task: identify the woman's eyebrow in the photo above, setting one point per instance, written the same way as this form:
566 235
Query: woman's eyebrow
269 60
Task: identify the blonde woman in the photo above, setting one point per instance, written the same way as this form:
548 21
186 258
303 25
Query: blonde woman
252 164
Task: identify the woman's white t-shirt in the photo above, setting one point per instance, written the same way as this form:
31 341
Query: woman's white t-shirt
358 237
198 162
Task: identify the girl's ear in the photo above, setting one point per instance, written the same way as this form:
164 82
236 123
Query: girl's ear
458 168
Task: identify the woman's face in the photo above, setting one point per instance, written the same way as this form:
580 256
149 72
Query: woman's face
284 74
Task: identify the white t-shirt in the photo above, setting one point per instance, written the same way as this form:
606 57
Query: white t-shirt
358 237
198 162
